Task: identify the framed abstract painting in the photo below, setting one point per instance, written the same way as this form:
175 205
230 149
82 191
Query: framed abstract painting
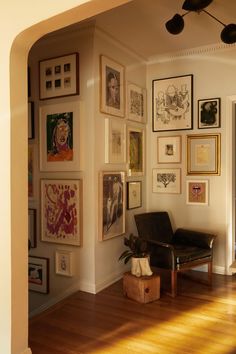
135 151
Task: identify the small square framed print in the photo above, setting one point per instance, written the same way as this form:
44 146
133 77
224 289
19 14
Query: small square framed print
169 149
197 192
134 194
166 180
209 113
136 103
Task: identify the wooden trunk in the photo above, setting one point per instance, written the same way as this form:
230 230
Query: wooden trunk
142 289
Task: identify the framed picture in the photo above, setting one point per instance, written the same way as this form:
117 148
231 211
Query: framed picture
61 211
172 100
203 154
166 180
30 120
134 194
64 263
59 76
32 227
197 192
112 87
115 151
169 149
136 103
135 151
29 81
38 274
31 182
112 204
59 137
209 113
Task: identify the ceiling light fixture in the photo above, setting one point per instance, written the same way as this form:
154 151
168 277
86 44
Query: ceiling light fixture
176 24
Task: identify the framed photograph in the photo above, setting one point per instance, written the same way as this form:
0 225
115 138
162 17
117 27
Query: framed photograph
203 154
30 120
166 180
59 135
61 211
134 194
169 149
38 274
31 182
32 230
112 87
59 77
172 100
197 192
135 151
115 151
209 113
136 103
112 204
64 263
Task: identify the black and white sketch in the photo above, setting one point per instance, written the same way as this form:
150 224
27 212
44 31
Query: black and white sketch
209 113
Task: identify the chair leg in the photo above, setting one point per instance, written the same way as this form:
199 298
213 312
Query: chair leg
210 274
173 283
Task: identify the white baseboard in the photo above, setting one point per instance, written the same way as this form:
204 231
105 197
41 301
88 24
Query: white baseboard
27 351
108 281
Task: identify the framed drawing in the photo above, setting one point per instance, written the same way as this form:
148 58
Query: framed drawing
172 101
61 211
59 76
30 120
32 227
197 192
169 149
135 151
166 180
31 182
64 263
112 204
134 194
136 99
59 137
38 274
115 151
209 113
112 76
203 154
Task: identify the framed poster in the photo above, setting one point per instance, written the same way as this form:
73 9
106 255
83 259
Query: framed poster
169 149
112 90
64 263
32 227
61 211
30 120
112 204
59 137
134 194
166 180
172 103
115 143
59 76
136 103
38 274
31 182
135 151
209 113
197 192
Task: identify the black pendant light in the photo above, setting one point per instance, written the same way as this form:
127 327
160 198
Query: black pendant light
195 5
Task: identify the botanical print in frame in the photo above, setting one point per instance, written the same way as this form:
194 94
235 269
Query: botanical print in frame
134 194
115 151
38 274
59 137
112 204
135 151
172 103
112 87
64 263
136 99
31 183
169 149
203 154
209 113
197 192
32 227
61 211
166 180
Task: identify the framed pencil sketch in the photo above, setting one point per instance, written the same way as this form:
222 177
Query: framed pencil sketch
115 143
112 89
134 194
38 274
209 113
203 154
197 192
31 172
64 263
135 151
59 137
61 211
59 77
172 103
30 120
111 204
136 103
32 227
166 180
169 149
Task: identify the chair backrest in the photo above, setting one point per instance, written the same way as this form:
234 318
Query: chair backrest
155 226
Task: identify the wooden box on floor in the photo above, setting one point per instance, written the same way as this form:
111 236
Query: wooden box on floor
142 289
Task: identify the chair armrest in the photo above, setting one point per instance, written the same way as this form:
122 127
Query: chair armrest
161 244
194 238
161 254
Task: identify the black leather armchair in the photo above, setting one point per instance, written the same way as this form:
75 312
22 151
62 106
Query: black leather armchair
177 251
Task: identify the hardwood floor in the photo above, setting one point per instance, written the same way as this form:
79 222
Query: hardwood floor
198 321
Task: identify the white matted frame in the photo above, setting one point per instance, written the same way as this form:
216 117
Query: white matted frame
115 142
112 88
197 192
38 274
59 134
135 150
134 194
136 103
61 211
209 113
64 263
169 149
166 180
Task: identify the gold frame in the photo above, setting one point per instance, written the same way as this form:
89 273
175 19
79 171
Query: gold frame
136 167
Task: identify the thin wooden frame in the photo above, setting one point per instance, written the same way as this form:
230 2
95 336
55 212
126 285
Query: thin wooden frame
172 103
135 150
209 113
203 154
166 180
134 194
31 130
115 141
38 274
64 263
169 149
197 192
32 229
136 103
31 172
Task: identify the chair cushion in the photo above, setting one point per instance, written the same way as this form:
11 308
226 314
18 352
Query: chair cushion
186 254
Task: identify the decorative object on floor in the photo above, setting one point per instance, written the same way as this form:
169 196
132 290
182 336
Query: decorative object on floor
134 194
135 151
38 274
136 98
166 180
64 263
32 227
169 149
176 24
209 113
197 192
115 141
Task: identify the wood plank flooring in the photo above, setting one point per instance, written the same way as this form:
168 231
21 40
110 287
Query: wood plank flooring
200 320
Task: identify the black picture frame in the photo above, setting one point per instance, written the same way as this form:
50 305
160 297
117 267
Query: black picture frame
209 113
